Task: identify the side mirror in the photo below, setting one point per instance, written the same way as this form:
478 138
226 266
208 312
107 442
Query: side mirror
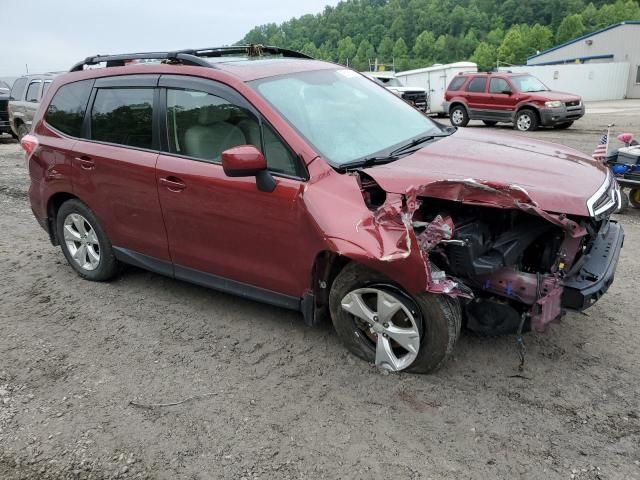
248 161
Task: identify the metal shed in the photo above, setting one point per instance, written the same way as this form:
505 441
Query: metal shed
618 43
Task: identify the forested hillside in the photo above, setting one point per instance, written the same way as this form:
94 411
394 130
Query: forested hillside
417 33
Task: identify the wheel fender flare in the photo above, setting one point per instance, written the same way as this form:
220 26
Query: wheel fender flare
528 106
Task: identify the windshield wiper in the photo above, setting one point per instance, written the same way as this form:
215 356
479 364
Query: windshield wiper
369 162
417 141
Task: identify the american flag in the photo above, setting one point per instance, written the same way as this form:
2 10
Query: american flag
601 149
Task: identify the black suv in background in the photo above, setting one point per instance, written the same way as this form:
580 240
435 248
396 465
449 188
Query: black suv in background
5 127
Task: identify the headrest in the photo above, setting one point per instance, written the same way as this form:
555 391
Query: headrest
213 114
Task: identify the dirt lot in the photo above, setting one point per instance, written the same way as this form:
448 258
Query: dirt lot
280 400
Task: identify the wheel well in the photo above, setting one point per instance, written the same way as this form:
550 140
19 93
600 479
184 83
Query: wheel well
54 204
456 104
528 107
326 268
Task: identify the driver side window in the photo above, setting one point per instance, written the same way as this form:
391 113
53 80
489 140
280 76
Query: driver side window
201 125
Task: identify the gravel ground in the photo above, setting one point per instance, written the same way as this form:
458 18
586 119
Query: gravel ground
266 397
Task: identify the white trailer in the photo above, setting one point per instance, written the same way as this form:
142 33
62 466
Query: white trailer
435 80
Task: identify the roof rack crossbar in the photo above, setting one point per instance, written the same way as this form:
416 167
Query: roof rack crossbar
190 56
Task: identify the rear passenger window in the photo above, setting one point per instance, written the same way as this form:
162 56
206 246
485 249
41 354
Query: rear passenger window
66 110
477 85
201 125
45 87
18 89
32 92
456 83
123 116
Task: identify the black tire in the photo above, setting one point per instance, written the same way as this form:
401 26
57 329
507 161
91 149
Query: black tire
13 135
22 131
526 120
440 318
624 201
107 266
634 197
490 123
563 126
458 116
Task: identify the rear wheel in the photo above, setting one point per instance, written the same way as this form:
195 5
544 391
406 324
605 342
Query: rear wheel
562 126
489 123
634 197
84 242
526 120
382 324
458 116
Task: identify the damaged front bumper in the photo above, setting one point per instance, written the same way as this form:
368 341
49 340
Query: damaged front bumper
597 270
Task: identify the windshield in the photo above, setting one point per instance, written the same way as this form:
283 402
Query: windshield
343 115
528 83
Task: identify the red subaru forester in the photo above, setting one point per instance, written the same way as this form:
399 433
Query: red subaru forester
263 173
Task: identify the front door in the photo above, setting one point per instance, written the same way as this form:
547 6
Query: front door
223 228
503 99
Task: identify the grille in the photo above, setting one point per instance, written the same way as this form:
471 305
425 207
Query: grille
574 103
417 97
4 110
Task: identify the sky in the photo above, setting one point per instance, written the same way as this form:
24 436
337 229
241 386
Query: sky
52 35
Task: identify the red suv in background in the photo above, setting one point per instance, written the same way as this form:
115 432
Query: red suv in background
261 172
517 98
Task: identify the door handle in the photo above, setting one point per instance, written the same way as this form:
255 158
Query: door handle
85 162
172 183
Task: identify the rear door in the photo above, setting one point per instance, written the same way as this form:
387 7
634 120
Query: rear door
224 232
114 165
477 96
32 101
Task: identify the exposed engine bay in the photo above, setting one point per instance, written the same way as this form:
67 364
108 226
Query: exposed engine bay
509 265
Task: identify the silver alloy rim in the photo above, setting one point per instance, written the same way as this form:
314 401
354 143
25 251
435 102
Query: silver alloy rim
524 122
457 117
82 241
384 320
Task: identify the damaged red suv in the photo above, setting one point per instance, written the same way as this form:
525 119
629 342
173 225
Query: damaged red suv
303 184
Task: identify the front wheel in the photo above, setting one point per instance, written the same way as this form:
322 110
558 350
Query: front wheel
382 324
458 116
634 197
84 242
526 120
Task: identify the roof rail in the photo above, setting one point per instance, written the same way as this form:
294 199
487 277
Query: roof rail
190 56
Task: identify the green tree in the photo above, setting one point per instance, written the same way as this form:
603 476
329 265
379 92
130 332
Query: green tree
485 56
364 55
310 49
423 48
346 50
571 27
512 51
385 50
401 55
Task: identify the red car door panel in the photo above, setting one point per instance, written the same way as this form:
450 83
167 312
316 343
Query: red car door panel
126 203
227 227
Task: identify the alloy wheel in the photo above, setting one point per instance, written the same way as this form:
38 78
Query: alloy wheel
524 122
81 241
457 117
386 324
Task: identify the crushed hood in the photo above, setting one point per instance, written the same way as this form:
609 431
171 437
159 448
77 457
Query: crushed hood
558 179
